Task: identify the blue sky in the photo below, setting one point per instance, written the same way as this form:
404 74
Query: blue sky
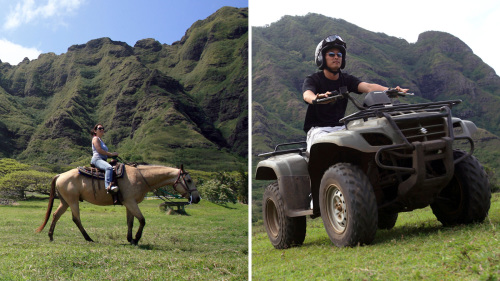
31 27
475 22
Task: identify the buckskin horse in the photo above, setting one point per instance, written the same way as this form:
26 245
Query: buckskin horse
135 184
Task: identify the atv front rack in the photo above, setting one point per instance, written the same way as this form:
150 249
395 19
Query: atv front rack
399 109
423 127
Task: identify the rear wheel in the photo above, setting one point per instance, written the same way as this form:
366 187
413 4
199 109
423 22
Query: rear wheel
348 206
284 232
466 199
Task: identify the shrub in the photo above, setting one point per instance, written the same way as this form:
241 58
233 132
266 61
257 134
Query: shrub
225 187
217 192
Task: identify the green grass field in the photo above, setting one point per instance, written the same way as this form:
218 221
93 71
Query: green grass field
210 243
417 248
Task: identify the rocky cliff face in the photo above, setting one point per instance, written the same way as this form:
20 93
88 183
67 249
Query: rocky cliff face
159 103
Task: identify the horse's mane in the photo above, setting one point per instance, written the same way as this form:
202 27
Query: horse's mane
135 164
147 165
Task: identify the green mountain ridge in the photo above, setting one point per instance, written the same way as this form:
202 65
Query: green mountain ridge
438 66
159 103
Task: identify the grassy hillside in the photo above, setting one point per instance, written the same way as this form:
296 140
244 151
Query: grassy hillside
159 103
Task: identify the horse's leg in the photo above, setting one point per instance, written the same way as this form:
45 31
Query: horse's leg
75 210
63 206
133 208
130 224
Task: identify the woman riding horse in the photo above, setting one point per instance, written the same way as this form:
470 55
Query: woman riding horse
137 182
100 156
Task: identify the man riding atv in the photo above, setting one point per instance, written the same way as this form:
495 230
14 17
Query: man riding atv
323 118
363 169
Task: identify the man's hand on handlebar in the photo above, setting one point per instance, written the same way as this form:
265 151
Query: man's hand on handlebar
325 98
398 91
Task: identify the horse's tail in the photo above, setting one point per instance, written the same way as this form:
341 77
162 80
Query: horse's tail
51 204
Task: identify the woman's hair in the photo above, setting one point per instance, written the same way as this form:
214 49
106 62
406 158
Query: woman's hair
93 131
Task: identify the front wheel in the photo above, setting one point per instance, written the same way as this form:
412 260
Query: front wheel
348 205
283 231
466 199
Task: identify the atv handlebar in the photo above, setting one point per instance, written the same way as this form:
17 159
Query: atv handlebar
343 93
394 93
336 95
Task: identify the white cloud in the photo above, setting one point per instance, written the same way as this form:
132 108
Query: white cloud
28 11
14 53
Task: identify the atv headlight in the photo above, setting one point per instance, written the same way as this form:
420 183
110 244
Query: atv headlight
464 128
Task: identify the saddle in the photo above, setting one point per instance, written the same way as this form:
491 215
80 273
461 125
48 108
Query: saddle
93 172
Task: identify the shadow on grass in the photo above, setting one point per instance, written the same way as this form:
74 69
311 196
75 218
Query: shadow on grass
407 232
225 206
148 247
159 247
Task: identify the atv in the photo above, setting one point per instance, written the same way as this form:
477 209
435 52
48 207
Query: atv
392 157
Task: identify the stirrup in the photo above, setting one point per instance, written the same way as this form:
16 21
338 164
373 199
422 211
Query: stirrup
112 189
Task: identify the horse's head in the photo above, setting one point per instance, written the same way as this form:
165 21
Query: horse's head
186 187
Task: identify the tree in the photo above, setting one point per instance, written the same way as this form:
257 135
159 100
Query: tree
243 184
15 185
8 165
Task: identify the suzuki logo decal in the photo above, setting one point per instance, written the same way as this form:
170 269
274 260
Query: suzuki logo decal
423 130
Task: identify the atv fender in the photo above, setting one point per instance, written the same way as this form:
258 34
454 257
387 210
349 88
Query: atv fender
291 173
358 135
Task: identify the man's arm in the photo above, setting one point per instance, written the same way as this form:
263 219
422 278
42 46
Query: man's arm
364 87
309 96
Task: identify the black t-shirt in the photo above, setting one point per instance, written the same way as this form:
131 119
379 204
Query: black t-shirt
327 115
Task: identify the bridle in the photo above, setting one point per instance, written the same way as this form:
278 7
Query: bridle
181 179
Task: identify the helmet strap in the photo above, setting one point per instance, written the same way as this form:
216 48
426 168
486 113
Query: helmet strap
335 72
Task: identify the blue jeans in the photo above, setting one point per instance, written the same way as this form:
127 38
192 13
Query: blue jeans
106 167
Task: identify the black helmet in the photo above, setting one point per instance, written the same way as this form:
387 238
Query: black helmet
332 41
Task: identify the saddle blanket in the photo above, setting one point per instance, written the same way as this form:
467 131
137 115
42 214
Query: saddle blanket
119 171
